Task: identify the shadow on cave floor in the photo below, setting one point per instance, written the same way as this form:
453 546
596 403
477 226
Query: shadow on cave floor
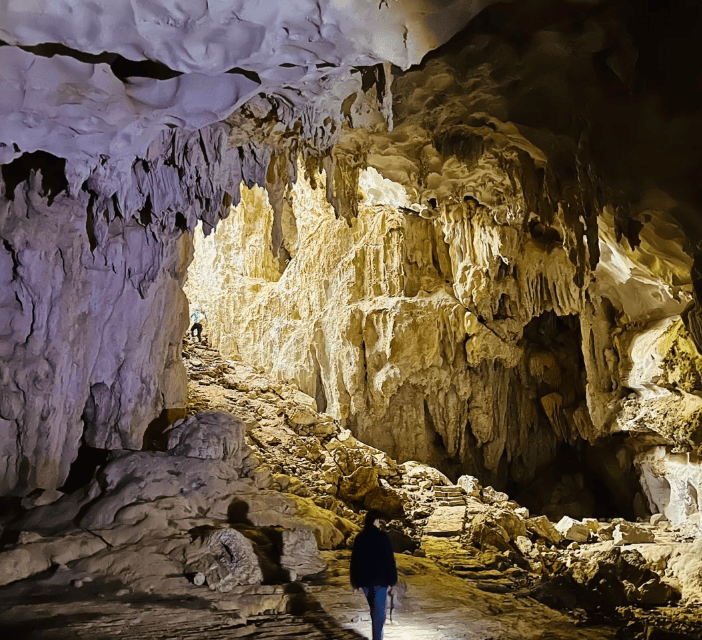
42 608
434 606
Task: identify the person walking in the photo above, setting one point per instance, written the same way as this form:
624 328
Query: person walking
198 317
373 569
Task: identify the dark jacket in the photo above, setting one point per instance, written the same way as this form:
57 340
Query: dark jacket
372 560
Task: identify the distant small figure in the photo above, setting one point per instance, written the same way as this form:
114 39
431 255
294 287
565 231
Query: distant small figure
197 317
373 569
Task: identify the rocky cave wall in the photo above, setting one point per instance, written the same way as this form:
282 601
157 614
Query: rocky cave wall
504 300
112 146
416 332
506 196
91 334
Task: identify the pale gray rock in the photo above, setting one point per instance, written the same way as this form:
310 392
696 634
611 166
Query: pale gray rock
135 478
631 533
299 554
692 526
686 566
210 436
225 559
573 530
470 485
85 355
38 554
658 517
41 498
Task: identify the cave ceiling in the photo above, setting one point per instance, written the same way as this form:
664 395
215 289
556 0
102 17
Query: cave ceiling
583 104
587 103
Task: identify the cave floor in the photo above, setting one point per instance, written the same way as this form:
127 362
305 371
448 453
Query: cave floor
434 606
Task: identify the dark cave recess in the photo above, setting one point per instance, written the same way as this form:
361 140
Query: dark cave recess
585 481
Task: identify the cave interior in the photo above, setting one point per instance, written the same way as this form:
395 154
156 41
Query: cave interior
443 256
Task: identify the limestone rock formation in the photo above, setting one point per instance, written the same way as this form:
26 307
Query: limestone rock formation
311 324
226 560
423 235
214 436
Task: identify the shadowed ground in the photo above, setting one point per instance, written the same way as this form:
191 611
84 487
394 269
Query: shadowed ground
437 606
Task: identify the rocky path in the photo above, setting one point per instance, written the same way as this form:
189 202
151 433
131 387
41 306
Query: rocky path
462 577
434 606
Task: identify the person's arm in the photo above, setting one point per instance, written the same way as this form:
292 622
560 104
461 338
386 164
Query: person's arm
353 568
391 564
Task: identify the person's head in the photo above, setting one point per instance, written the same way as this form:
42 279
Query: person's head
372 518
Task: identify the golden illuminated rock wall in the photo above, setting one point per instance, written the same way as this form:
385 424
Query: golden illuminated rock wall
454 335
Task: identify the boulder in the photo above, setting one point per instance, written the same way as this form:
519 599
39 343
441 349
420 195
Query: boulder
225 559
522 512
357 485
686 566
543 527
25 560
592 523
692 526
493 496
510 522
525 546
657 518
262 476
386 500
573 529
631 533
416 472
135 478
209 436
41 498
299 554
325 428
484 532
470 485
616 578
606 531
329 529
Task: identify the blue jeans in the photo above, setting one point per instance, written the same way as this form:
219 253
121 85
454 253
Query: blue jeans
376 600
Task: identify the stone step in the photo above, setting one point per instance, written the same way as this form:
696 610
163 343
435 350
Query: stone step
449 490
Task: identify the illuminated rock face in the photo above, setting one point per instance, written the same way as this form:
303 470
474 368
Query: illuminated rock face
447 335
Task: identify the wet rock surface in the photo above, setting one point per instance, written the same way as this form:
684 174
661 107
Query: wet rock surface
250 538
